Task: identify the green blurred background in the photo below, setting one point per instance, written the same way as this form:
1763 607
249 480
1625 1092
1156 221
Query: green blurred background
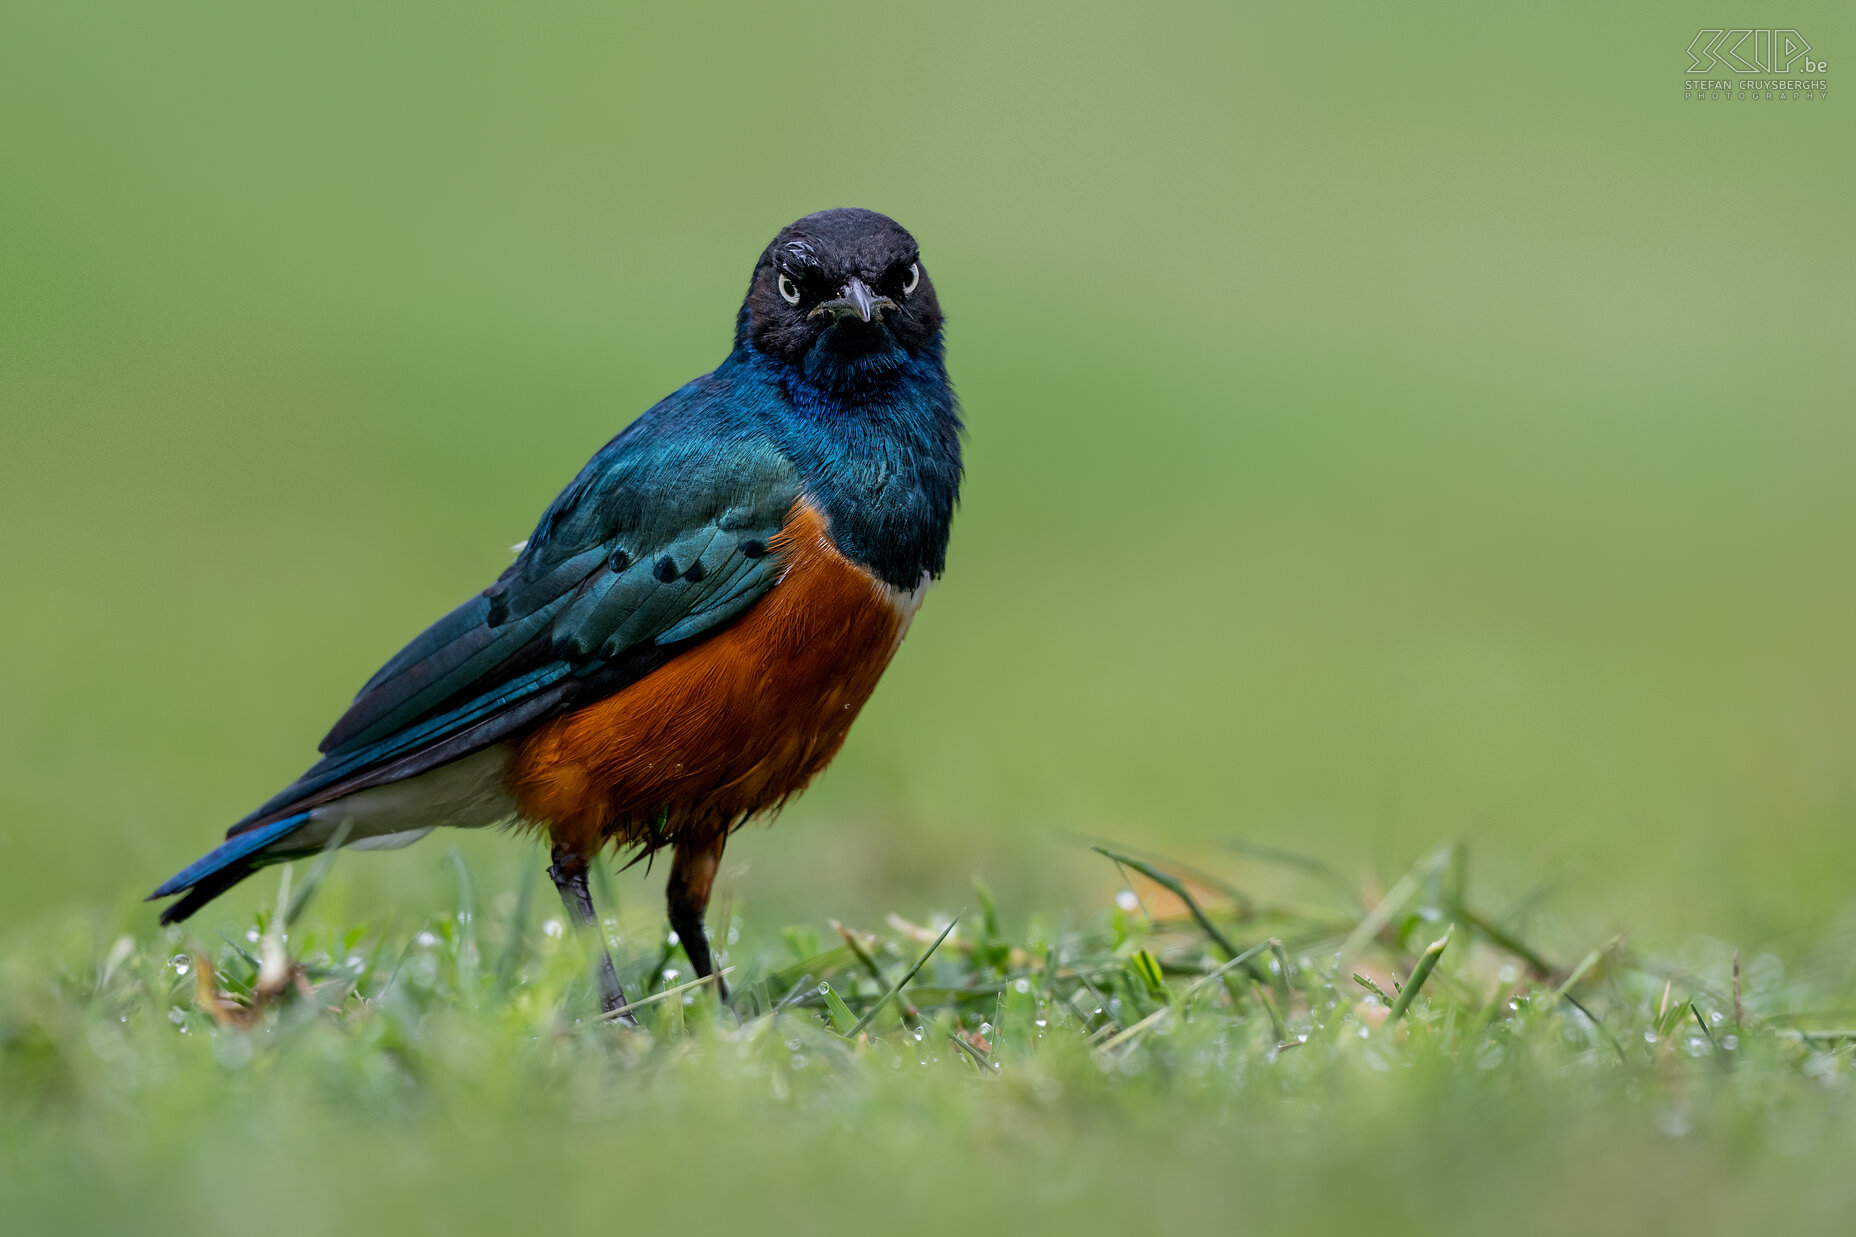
1387 423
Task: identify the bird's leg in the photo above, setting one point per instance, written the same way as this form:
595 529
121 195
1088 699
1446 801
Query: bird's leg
568 872
692 875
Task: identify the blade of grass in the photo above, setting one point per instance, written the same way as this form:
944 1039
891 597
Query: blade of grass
1281 985
1221 971
1427 962
841 1016
1703 1024
891 994
1564 993
1115 1041
794 993
317 872
1100 999
1318 868
510 960
1739 1012
1504 940
1578 972
1371 987
274 962
1269 1007
465 955
909 1012
1173 885
1209 879
1369 926
970 1052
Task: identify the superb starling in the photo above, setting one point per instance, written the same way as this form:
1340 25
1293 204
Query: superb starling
686 637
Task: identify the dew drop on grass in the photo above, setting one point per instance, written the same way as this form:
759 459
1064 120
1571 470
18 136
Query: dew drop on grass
671 938
1023 985
181 964
1649 1037
1730 1042
426 940
552 928
1127 901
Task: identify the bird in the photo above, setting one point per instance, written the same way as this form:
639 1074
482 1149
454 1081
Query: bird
684 641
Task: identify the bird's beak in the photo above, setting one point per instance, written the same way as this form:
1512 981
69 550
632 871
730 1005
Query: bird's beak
856 299
861 298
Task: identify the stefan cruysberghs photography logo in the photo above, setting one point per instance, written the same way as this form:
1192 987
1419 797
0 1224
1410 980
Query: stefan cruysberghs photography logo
1745 65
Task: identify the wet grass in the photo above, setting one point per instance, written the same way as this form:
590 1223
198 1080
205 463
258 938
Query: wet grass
1205 1041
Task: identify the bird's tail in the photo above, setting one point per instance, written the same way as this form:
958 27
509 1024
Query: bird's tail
217 871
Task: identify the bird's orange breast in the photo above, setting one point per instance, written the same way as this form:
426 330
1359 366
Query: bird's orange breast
736 725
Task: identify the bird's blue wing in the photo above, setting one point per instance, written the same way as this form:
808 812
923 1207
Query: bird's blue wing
661 540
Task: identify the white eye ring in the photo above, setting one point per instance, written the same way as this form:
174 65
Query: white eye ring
915 277
789 290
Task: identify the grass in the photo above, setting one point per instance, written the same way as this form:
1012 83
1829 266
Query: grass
1182 1028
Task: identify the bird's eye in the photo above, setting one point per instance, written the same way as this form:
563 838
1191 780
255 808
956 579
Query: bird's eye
789 290
915 277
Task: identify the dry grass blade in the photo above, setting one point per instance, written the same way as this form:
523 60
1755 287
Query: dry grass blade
665 995
1223 970
1123 1037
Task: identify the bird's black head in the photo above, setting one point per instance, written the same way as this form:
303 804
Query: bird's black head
842 289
